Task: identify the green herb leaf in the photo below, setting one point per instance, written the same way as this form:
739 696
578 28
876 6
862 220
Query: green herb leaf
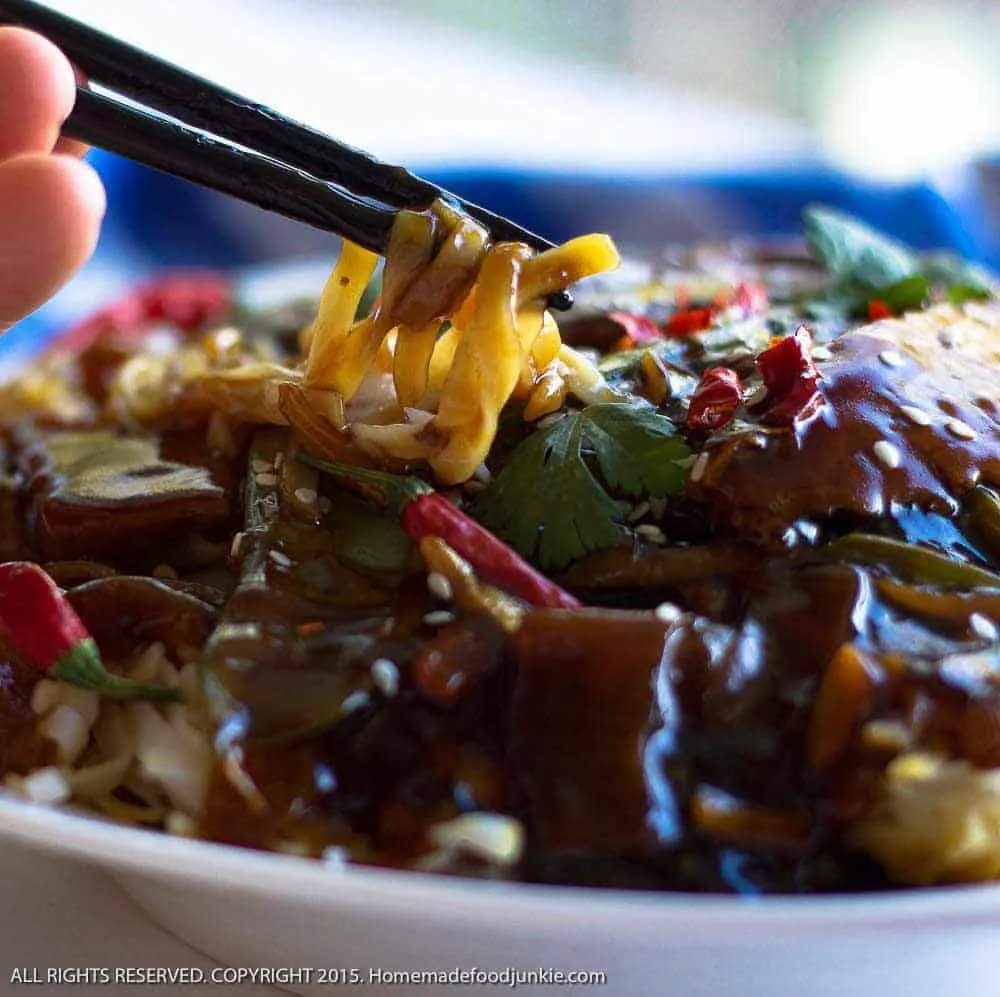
909 294
865 264
555 500
636 448
859 258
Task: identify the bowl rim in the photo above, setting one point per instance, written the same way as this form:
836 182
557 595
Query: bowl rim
566 909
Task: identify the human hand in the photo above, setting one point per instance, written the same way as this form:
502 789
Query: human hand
51 203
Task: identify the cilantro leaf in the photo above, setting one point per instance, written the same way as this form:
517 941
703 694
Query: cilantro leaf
858 258
554 501
905 295
866 264
636 448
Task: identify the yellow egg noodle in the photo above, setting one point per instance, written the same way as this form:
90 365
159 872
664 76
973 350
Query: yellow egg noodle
463 330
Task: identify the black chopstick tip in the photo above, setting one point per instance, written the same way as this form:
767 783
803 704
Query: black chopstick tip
561 302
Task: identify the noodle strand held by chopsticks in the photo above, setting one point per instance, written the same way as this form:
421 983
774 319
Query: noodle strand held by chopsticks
499 343
340 349
485 370
414 349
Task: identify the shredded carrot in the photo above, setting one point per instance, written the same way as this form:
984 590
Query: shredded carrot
842 705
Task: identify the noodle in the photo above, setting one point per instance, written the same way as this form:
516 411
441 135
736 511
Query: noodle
499 343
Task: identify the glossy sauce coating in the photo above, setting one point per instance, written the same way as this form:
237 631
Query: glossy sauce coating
907 420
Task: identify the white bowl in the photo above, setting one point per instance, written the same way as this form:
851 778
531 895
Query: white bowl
249 909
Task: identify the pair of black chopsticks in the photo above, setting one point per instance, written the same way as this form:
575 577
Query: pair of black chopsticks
213 137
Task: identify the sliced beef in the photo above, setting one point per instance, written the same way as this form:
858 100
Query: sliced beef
96 495
910 418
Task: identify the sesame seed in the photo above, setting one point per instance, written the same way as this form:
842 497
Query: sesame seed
891 358
916 415
651 532
357 700
307 496
961 429
385 675
261 466
266 480
982 626
887 453
438 618
667 612
439 586
279 460
700 465
281 560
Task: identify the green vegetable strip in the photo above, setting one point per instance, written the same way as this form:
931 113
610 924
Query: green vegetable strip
915 565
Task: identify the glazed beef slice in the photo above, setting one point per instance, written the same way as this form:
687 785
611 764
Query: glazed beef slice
910 418
97 496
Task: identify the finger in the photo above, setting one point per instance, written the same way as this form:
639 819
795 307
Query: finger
37 91
50 215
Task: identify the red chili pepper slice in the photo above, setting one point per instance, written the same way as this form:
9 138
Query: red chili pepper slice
750 297
44 630
427 513
715 401
189 301
878 309
639 330
688 321
791 379
432 515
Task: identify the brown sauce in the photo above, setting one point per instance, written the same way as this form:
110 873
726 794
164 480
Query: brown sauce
679 749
